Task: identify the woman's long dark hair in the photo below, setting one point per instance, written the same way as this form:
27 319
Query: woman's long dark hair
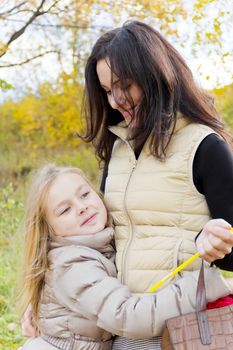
139 53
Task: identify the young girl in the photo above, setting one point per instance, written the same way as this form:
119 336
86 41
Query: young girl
70 276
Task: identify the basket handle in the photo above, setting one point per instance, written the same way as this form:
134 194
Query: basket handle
201 305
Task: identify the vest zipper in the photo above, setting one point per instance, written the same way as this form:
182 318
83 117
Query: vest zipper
125 252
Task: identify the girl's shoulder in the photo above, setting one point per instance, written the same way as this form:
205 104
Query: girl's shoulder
65 257
73 253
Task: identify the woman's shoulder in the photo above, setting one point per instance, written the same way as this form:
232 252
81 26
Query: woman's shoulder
214 150
214 142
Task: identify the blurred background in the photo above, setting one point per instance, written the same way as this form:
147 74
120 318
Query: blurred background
43 48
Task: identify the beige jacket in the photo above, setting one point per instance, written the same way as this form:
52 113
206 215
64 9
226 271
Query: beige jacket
156 209
83 299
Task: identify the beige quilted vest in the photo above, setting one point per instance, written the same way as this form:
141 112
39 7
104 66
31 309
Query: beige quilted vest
155 206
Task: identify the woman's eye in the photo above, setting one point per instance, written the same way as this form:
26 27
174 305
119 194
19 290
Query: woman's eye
126 86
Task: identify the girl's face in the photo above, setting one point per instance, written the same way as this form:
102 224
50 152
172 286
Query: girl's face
116 95
73 207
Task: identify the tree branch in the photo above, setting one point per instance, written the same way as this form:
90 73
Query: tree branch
54 4
28 59
17 34
95 26
12 9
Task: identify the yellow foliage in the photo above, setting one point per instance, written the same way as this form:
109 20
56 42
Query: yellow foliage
225 104
3 48
50 118
200 4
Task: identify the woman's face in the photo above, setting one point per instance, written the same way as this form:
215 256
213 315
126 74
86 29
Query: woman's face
117 97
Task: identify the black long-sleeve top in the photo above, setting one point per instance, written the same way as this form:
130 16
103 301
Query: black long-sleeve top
212 177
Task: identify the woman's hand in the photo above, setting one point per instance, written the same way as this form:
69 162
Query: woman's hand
215 240
28 326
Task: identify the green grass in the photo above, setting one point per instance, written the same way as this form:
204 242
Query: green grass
11 211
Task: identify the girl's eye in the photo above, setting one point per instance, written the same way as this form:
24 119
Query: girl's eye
66 210
84 195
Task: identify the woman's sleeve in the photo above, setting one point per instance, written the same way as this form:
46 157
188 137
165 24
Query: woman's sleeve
213 177
103 299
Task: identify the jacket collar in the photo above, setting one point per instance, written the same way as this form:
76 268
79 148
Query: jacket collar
123 132
120 130
100 241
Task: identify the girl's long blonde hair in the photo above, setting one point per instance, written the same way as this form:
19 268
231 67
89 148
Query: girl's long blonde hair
37 233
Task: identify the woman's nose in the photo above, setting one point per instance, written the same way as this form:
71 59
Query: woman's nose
116 99
112 102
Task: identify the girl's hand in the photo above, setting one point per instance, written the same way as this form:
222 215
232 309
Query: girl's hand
215 240
28 326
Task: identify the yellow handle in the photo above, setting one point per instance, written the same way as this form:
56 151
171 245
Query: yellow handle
175 271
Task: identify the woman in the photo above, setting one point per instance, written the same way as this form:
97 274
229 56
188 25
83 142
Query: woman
168 169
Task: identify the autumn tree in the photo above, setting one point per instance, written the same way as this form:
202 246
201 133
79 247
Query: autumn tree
63 30
46 116
225 104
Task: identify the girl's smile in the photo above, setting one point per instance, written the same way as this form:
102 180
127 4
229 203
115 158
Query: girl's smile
89 220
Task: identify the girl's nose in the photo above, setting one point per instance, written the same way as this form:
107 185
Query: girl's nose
82 211
81 208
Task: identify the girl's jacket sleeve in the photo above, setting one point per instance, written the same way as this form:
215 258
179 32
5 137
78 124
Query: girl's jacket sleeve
86 284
